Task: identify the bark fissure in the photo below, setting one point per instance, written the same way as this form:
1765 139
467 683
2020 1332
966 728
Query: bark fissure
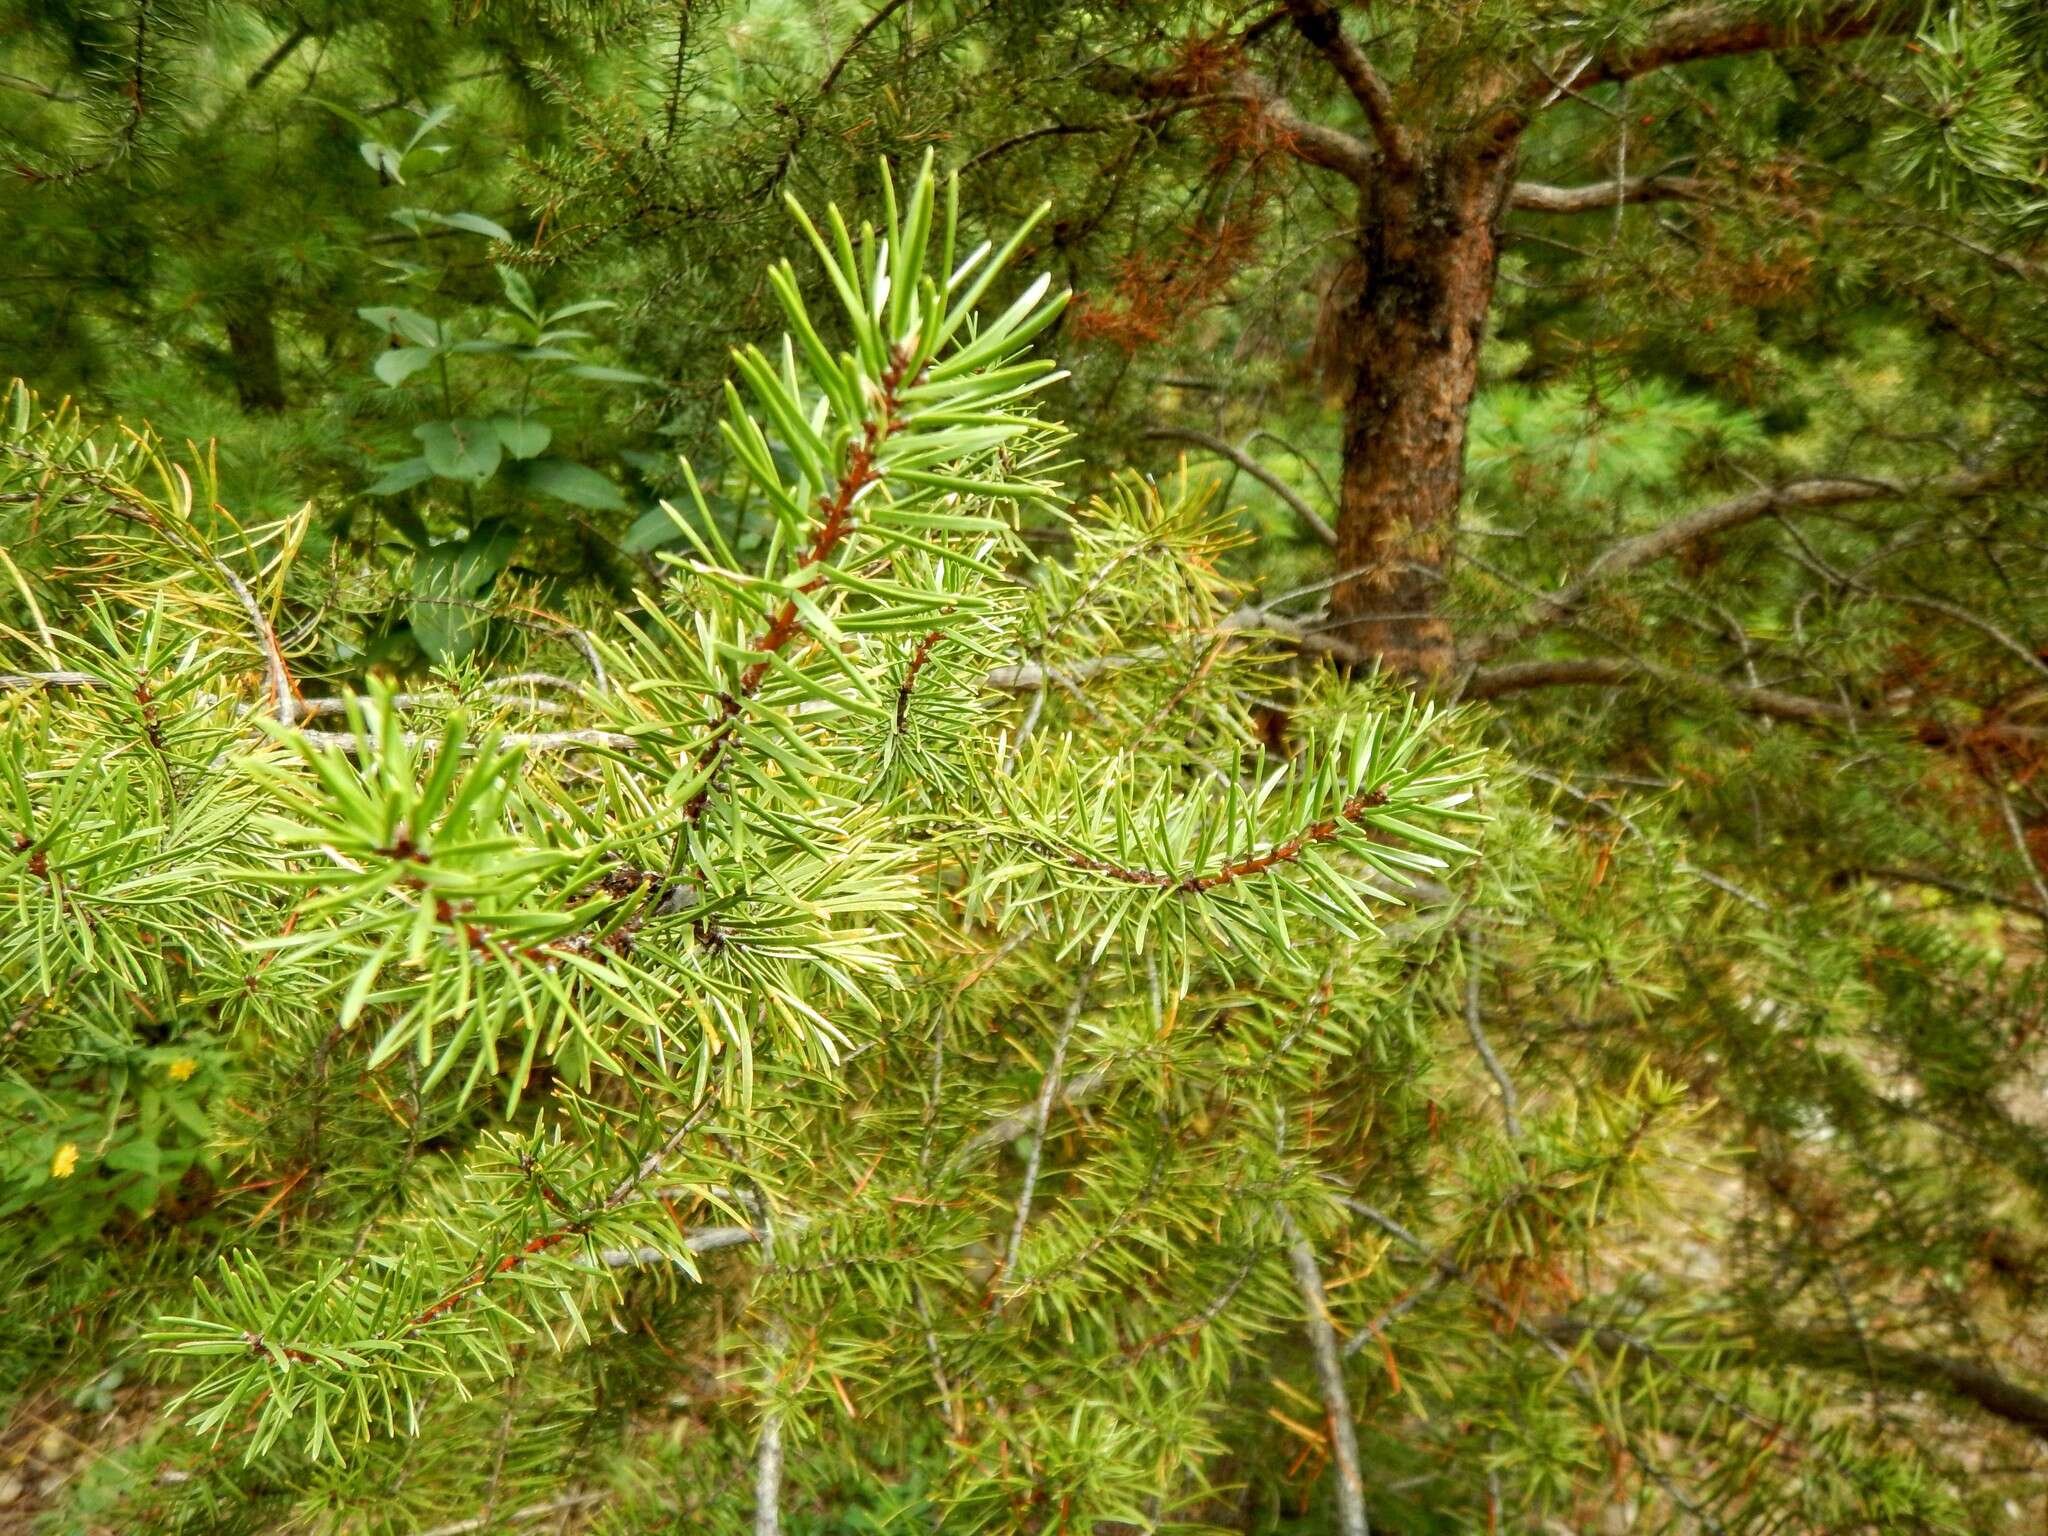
1411 315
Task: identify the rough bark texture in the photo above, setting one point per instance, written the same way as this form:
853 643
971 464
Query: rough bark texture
252 347
1411 318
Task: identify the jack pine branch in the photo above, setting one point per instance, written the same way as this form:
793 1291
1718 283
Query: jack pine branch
474 916
837 507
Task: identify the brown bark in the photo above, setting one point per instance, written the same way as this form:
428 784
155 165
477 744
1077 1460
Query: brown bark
1409 321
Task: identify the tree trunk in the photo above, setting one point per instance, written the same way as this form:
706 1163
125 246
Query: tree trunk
1410 315
252 348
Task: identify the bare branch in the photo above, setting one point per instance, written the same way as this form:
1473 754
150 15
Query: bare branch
768 1453
532 741
1303 637
318 708
532 1514
1717 30
1313 519
1534 197
1322 1340
1631 554
275 59
1041 1112
36 88
1031 136
273 655
1144 119
1998 1395
1712 30
2021 846
1007 1128
1314 143
1936 881
1621 672
768 1466
22 681
348 741
867 30
696 1240
1510 1102
1323 27
1030 676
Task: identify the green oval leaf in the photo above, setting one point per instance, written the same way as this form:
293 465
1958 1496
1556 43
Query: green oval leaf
522 436
397 364
577 484
463 449
402 476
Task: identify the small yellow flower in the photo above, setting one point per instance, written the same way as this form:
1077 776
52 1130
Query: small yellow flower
65 1163
182 1069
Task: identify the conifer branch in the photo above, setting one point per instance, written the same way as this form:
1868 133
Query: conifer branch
122 143
421 1014
1712 29
1376 1328
1634 829
1311 519
1353 811
1322 26
490 919
2028 656
1188 1327
1006 1128
567 1231
120 501
275 59
837 506
919 655
1311 142
1512 1318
